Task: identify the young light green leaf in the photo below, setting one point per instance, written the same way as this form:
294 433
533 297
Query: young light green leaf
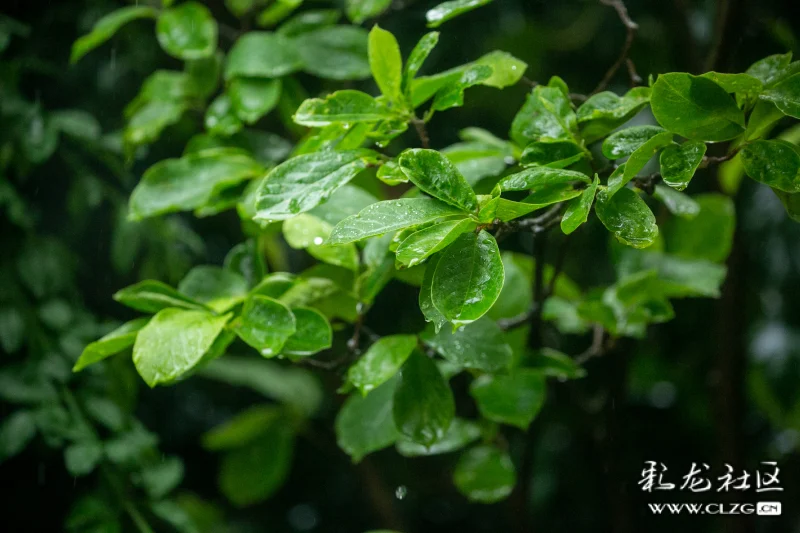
173 342
187 31
680 161
577 211
305 181
555 154
513 399
152 296
220 117
313 333
106 27
381 362
252 98
365 424
213 286
189 182
347 106
360 10
740 84
423 402
625 142
479 345
708 235
460 433
786 95
604 112
696 108
636 162
450 10
390 174
388 216
468 278
421 244
335 52
627 216
546 116
308 232
110 344
452 94
679 204
386 63
436 175
770 69
262 54
773 162
266 324
485 474
417 57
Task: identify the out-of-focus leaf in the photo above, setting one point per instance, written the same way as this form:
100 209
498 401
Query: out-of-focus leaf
110 344
485 474
451 9
187 31
423 405
365 423
478 345
381 362
106 27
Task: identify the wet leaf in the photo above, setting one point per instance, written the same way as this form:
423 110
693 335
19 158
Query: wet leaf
678 203
680 161
513 399
262 54
381 362
365 424
417 57
346 106
775 163
450 10
423 402
556 154
546 116
604 112
577 211
266 324
213 286
335 52
152 296
627 216
386 63
252 98
636 162
460 433
309 232
625 142
187 31
421 244
436 175
110 344
479 345
313 333
485 474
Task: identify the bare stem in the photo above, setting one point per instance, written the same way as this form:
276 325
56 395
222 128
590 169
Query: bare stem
631 28
419 124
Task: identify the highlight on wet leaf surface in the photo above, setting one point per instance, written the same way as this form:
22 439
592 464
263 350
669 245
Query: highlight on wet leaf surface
679 162
451 9
265 324
436 175
773 162
381 362
187 31
480 345
628 217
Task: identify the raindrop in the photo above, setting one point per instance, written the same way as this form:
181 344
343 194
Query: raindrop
401 492
266 352
318 240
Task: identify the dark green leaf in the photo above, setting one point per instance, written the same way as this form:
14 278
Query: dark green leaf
335 52
431 313
313 333
265 324
451 9
308 21
187 31
513 399
360 10
485 474
577 211
213 286
743 85
604 112
791 202
262 54
16 431
152 296
709 235
436 175
555 154
775 163
541 178
478 345
546 116
680 161
459 434
786 95
637 161
423 402
252 98
346 106
365 423
82 457
627 217
696 108
625 142
381 362
468 278
678 203
556 364
770 68
106 27
386 63
110 344
244 428
161 478
421 244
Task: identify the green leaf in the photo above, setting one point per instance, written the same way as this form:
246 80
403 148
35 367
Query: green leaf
243 428
16 431
82 457
360 10
161 478
637 161
625 142
365 423
220 117
679 204
106 27
709 235
431 313
266 324
680 161
743 85
76 123
423 402
421 244
277 11
786 95
513 399
213 286
677 277
12 329
390 216
479 345
791 202
262 54
189 182
770 69
254 472
695 108
187 31
152 296
485 474
390 174
335 52
556 364
449 10
308 21
252 98
417 57
436 175
110 344
305 181
546 116
577 211
452 94
477 160
459 434
173 342
386 63
381 362
468 278
604 112
775 163
147 123
308 232
346 106
555 154
627 216
541 178
313 333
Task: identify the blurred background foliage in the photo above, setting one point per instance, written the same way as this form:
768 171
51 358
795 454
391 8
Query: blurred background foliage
717 384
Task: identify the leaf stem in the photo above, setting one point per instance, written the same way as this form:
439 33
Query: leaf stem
419 124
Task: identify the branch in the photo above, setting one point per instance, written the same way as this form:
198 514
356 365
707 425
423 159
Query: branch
419 124
595 349
631 27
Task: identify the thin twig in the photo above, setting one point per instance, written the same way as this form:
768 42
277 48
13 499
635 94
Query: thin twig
419 124
595 349
558 266
630 27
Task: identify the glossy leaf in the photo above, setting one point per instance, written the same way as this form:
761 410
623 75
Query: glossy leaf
110 344
265 324
577 211
313 333
769 69
786 95
740 84
423 405
173 342
187 31
546 116
540 178
627 217
252 98
625 142
345 106
335 52
513 399
708 235
679 204
381 362
386 63
679 162
604 112
485 474
360 10
636 162
220 117
262 54
152 296
309 232
696 108
451 9
468 278
557 154
775 163
421 244
479 345
365 424
459 434
452 94
417 57
106 27
431 313
213 286
305 181
436 175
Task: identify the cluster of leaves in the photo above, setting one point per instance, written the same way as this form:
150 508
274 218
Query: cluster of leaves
336 195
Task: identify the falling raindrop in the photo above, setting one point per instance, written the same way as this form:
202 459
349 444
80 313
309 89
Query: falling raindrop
401 492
